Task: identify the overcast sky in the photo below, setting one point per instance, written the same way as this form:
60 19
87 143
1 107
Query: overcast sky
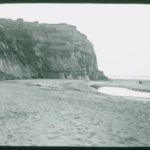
120 33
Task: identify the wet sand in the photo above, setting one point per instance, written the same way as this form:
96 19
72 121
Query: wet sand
70 113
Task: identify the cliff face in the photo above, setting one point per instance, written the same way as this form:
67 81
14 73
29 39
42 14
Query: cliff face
33 50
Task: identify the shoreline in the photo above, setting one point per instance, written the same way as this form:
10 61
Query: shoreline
123 84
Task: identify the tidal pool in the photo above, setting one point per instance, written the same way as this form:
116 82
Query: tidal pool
119 91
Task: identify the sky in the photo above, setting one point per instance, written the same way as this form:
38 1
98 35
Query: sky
120 33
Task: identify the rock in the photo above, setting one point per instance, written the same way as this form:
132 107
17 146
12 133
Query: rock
33 50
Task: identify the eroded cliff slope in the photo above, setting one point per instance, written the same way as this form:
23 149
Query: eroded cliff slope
33 50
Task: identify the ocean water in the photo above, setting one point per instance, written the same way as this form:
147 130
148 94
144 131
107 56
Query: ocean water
129 77
117 91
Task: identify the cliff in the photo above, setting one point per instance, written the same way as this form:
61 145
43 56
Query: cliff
33 50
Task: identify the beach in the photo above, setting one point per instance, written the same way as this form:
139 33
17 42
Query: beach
44 112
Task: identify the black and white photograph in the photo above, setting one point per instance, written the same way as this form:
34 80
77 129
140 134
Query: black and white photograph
75 74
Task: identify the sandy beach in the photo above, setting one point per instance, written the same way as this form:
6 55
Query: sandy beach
71 113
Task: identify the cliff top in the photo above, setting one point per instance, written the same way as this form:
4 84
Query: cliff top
61 33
